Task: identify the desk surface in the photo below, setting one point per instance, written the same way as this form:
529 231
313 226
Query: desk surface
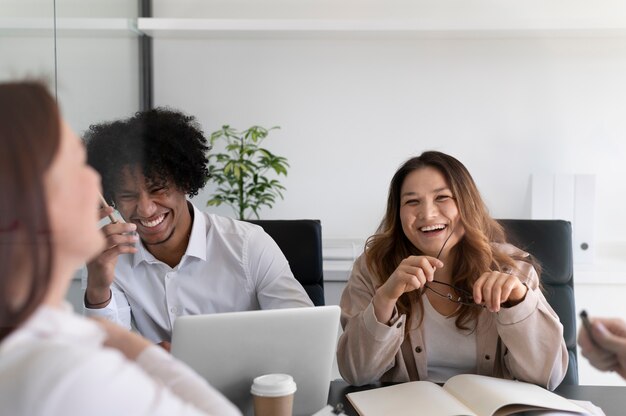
612 399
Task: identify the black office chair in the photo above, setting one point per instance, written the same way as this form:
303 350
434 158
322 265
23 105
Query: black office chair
550 242
301 242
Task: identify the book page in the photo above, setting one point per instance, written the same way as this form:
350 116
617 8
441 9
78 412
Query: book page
587 405
486 395
408 399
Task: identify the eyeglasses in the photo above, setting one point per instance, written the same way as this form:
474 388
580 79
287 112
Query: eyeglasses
461 296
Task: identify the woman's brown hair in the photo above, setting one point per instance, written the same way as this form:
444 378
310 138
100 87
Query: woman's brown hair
29 139
474 253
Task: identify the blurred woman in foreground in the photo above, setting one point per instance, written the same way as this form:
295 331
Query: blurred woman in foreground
53 362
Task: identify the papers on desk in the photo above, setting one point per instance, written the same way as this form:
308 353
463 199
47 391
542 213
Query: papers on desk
588 406
466 394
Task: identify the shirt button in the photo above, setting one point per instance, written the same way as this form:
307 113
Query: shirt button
418 349
399 325
487 357
173 309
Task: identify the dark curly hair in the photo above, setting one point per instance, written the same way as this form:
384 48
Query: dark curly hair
167 145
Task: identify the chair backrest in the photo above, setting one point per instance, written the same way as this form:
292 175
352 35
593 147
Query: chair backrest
301 243
550 242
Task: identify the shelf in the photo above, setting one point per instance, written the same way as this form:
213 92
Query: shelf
69 27
449 28
313 28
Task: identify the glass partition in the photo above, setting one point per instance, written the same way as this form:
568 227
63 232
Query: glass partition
27 39
86 51
89 54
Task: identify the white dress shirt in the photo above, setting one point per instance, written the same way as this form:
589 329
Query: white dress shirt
55 364
228 266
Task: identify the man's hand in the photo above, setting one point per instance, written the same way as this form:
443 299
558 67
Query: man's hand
609 351
120 239
165 345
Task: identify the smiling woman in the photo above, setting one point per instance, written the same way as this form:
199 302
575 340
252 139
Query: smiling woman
428 210
437 231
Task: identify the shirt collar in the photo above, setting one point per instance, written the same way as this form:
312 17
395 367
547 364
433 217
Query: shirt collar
142 255
195 248
197 240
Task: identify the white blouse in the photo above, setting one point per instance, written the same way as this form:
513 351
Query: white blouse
450 351
56 364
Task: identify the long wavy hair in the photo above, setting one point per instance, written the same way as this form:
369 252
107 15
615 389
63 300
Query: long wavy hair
30 132
474 252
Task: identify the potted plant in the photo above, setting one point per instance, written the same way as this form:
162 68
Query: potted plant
242 171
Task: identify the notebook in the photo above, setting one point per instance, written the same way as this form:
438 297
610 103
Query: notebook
231 349
461 395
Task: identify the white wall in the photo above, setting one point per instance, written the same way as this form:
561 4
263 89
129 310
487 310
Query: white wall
352 110
98 79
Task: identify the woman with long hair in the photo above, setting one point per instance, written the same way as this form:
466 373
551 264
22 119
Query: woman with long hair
53 362
439 292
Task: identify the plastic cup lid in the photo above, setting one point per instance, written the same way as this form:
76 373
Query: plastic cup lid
273 385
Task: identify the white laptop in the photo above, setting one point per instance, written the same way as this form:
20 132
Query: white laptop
231 349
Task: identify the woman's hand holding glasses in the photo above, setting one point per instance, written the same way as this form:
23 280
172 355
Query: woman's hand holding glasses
493 289
411 274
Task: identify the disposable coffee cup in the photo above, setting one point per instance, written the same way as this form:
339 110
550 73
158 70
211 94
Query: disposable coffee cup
273 395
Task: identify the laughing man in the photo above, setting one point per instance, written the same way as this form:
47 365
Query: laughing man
169 258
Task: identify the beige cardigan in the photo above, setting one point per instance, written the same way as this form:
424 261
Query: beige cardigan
524 342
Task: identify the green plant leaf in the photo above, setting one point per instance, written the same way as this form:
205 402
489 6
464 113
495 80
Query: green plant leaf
243 173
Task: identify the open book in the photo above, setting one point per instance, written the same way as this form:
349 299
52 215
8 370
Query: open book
462 395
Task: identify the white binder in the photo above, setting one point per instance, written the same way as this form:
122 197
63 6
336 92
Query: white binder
572 198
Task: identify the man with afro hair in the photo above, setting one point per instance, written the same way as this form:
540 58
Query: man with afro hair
169 258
